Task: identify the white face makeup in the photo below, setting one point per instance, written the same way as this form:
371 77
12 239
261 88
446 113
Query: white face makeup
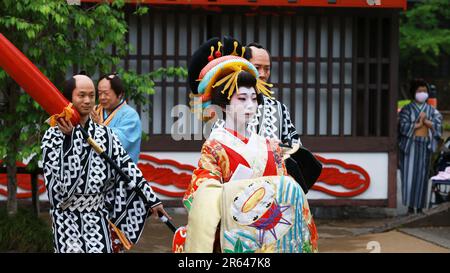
242 107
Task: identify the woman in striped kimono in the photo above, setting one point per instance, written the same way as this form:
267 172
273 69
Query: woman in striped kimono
420 129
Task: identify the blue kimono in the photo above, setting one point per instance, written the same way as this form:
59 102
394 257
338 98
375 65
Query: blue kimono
415 152
126 124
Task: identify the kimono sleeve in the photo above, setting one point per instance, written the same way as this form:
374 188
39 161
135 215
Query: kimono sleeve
123 160
204 217
208 169
436 131
405 129
129 211
406 125
289 133
437 124
129 131
52 145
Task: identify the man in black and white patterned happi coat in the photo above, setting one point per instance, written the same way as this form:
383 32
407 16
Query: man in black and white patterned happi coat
86 193
272 118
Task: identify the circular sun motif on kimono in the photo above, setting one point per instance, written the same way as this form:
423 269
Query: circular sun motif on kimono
257 207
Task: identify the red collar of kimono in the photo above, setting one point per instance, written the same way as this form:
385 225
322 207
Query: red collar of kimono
236 134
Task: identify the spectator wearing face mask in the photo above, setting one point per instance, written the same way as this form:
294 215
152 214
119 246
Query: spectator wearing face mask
420 129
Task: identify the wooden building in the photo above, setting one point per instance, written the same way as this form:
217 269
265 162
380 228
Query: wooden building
334 64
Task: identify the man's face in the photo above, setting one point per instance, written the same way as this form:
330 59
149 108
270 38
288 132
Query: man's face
261 60
106 96
83 96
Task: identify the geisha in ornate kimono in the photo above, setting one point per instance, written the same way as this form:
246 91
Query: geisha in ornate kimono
240 198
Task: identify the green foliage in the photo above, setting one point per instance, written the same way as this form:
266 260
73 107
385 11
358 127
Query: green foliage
139 87
141 10
425 32
55 36
145 137
24 232
446 127
402 103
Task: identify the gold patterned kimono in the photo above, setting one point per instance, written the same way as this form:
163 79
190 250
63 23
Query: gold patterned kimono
241 197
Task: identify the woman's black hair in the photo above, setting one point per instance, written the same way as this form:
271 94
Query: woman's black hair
416 83
116 83
245 79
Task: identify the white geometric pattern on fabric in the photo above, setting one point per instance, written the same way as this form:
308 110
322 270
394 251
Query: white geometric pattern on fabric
84 191
83 203
68 234
268 123
288 130
92 233
132 223
269 118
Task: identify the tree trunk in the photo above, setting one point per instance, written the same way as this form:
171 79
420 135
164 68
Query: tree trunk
12 188
12 150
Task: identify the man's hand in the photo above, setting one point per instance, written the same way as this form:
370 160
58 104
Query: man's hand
159 208
95 117
65 126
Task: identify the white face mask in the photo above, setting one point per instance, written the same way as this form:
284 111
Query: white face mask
421 97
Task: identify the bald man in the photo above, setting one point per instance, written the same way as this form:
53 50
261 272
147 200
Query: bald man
273 119
86 195
260 58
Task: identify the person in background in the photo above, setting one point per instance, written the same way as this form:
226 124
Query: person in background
273 119
114 112
420 129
